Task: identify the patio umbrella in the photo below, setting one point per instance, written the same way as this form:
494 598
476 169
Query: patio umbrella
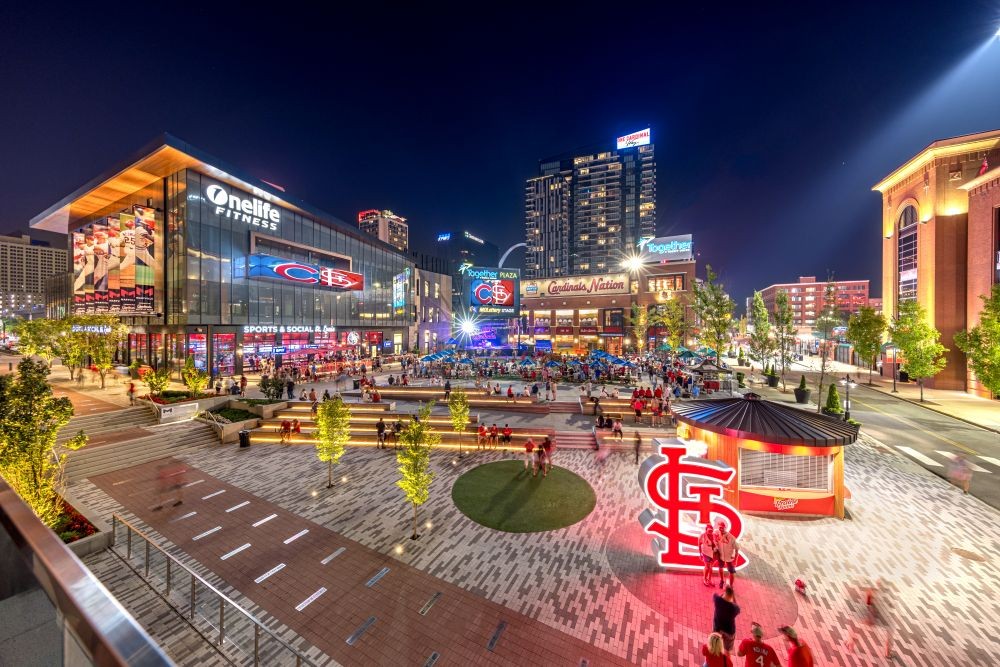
527 362
687 354
465 361
429 357
681 348
553 364
574 362
665 347
451 341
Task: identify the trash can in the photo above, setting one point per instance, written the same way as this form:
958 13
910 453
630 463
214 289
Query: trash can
356 383
904 376
244 438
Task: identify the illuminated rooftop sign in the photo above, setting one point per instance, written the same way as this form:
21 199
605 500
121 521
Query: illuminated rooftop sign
446 236
640 138
473 237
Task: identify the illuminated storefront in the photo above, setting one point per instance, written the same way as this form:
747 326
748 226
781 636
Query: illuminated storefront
203 261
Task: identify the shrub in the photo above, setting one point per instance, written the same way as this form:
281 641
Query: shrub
157 381
739 379
802 383
194 379
833 400
233 415
272 388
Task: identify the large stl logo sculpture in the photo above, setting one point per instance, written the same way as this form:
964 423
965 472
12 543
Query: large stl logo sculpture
687 494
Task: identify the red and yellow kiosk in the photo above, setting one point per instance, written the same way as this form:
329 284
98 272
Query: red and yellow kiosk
787 460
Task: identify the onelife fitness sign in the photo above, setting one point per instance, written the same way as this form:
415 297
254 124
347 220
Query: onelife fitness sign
615 283
245 208
687 494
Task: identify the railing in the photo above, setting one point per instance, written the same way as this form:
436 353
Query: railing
209 418
75 620
242 636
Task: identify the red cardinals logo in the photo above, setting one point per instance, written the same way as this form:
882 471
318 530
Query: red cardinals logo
670 483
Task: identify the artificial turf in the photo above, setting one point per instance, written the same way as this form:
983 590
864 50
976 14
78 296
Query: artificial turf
504 496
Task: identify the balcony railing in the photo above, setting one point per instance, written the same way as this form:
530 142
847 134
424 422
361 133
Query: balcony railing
243 638
53 611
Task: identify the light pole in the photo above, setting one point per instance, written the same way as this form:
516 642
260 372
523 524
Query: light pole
848 383
894 369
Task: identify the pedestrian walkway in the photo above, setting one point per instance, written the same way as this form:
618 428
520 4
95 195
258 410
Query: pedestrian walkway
355 604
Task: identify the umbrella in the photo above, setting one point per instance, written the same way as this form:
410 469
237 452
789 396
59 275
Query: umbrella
681 348
553 364
705 351
465 361
665 347
687 354
451 341
527 362
574 362
429 357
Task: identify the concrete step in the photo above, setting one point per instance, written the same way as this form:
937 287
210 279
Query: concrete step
164 442
106 422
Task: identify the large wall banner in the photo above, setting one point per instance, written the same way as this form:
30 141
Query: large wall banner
100 267
88 269
127 265
79 264
114 264
145 257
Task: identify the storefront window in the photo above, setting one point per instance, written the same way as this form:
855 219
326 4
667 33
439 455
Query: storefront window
197 350
224 354
784 471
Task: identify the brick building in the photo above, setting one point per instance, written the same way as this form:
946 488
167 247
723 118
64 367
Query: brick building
940 239
807 298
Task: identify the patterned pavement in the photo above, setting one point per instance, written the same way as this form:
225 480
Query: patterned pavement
935 551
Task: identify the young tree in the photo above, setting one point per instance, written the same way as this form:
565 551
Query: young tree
828 320
415 459
981 343
640 327
30 418
37 338
784 333
104 334
672 315
157 380
918 340
714 310
196 379
761 344
458 407
272 387
71 346
865 330
333 422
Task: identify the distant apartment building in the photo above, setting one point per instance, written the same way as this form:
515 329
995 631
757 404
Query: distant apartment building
586 211
25 265
807 298
386 226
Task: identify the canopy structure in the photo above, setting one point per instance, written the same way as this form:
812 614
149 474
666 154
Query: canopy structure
709 367
751 418
553 364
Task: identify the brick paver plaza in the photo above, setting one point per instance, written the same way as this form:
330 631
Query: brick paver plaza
588 594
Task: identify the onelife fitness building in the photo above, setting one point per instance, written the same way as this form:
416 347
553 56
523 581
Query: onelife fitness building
204 261
941 240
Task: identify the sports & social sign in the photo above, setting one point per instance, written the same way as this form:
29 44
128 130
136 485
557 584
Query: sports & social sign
685 487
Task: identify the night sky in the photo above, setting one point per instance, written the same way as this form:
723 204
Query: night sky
770 126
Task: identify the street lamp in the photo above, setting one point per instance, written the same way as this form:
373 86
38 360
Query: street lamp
849 384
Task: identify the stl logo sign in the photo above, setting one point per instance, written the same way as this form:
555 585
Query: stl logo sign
682 486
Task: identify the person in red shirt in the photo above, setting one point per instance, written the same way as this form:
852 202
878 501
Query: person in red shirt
494 436
635 394
547 446
799 653
285 430
757 652
658 393
507 433
714 653
481 437
529 448
648 394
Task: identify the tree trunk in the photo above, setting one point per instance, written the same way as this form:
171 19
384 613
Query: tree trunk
329 474
921 383
871 367
102 374
414 536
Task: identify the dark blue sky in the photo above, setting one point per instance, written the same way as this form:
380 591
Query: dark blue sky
770 125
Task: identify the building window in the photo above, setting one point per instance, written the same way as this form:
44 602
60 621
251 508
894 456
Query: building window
674 283
906 255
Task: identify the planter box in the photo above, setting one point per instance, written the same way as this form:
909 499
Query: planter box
802 395
99 541
263 411
231 432
772 381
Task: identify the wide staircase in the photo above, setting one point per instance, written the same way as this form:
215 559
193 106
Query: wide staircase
117 449
575 440
477 399
365 416
108 422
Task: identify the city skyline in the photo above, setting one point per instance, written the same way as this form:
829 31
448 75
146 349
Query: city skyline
717 178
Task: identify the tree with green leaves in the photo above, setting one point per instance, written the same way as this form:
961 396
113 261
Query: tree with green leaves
71 346
157 380
30 419
865 330
414 460
981 343
103 334
272 387
672 315
761 344
639 322
919 343
194 378
37 338
828 320
784 334
458 408
714 310
333 432
832 406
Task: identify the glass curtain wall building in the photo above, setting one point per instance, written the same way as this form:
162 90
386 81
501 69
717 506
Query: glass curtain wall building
203 261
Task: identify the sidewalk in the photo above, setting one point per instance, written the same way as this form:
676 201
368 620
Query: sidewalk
969 408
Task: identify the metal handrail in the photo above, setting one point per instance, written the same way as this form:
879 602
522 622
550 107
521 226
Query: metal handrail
300 659
103 628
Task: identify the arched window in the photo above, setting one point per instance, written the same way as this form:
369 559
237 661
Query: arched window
906 255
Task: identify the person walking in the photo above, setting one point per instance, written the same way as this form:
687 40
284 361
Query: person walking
529 449
380 430
547 447
799 653
637 443
960 473
447 389
758 654
290 388
539 461
729 551
131 393
714 652
724 617
243 385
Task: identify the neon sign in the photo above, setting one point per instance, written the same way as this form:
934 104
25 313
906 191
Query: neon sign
446 236
683 487
640 138
251 210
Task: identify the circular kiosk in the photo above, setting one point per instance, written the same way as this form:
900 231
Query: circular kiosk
787 460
